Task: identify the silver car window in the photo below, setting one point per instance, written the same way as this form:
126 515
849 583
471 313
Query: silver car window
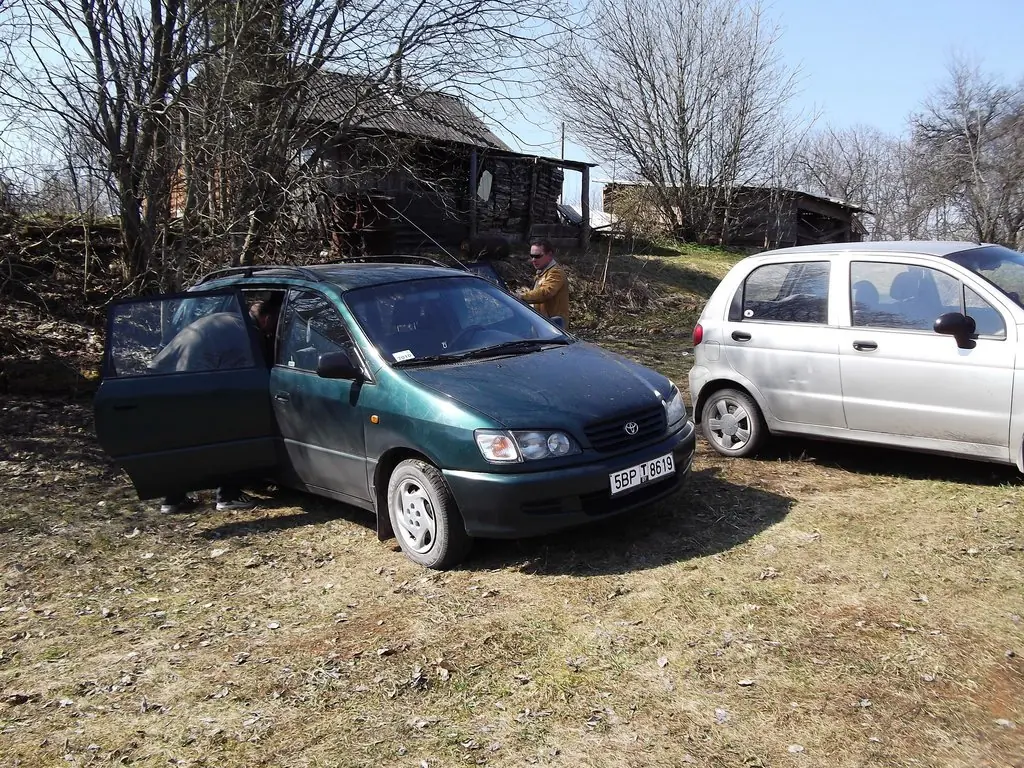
795 292
905 296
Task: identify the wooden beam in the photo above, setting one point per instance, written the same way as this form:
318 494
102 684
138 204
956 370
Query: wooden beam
472 192
532 200
585 210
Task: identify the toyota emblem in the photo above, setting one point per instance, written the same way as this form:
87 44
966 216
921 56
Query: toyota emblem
631 428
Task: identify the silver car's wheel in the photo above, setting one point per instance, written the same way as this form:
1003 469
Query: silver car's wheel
424 517
732 423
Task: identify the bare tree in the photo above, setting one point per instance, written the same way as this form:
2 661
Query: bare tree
203 107
690 95
256 120
866 167
972 130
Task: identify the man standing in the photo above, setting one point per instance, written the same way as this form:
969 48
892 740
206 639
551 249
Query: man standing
219 341
550 292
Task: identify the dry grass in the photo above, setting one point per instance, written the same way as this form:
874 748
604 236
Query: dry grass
872 600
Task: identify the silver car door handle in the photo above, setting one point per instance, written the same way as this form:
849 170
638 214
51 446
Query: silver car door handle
865 346
283 397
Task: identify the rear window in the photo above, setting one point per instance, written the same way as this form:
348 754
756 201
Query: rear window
794 292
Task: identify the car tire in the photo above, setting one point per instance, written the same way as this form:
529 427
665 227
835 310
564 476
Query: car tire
732 423
424 516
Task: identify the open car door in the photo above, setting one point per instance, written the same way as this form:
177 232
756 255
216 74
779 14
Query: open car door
184 401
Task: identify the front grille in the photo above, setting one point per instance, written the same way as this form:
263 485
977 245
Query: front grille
610 435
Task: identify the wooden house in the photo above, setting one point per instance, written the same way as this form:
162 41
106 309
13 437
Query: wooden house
760 217
415 169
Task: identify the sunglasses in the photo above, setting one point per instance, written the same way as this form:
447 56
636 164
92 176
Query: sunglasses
536 255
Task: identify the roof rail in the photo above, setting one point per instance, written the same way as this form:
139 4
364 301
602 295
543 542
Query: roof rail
400 257
248 271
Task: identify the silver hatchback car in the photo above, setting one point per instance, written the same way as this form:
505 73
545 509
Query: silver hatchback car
915 345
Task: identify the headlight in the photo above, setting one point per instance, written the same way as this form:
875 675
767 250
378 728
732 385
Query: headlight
509 447
675 409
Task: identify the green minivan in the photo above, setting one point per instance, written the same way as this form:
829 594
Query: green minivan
424 394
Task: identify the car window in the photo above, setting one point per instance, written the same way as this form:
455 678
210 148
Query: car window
443 316
311 326
794 292
987 319
185 334
889 295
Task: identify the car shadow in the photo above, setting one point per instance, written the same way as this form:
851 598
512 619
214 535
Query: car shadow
709 515
889 462
314 511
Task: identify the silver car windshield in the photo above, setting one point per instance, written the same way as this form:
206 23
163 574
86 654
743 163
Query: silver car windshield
1002 267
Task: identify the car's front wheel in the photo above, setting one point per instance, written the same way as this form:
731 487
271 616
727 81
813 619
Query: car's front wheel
424 516
732 423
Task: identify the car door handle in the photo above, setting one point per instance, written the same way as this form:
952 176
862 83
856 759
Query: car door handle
865 346
126 406
740 336
282 397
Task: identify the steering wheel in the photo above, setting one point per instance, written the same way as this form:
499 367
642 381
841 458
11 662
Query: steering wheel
466 334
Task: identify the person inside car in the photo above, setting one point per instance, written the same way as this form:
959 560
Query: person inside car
550 293
218 341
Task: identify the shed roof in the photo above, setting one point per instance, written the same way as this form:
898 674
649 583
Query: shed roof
423 113
793 192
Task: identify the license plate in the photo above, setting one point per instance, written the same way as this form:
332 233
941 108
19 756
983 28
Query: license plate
641 474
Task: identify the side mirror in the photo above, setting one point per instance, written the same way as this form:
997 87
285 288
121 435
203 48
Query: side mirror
960 327
558 321
337 365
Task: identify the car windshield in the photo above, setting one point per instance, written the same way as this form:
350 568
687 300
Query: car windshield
1000 266
448 318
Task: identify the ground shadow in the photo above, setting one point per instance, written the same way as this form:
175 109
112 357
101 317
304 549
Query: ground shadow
889 462
709 515
314 511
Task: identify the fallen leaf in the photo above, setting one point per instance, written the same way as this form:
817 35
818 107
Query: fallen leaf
382 652
864 703
721 715
769 573
133 534
746 683
273 625
217 552
146 556
1004 723
663 662
795 749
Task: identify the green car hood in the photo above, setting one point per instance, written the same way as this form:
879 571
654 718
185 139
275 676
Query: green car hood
560 388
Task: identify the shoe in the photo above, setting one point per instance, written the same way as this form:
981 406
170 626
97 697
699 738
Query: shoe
172 506
239 502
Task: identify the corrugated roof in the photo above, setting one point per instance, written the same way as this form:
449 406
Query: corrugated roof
812 195
335 97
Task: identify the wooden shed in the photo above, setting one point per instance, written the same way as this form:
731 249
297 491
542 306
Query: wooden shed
418 169
764 217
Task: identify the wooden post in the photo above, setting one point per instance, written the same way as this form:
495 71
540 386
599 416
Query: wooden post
585 210
472 192
532 201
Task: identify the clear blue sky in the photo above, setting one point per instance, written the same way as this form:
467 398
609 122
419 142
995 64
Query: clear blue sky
869 62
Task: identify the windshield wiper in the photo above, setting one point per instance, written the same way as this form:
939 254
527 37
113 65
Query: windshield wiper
428 360
505 348
512 347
